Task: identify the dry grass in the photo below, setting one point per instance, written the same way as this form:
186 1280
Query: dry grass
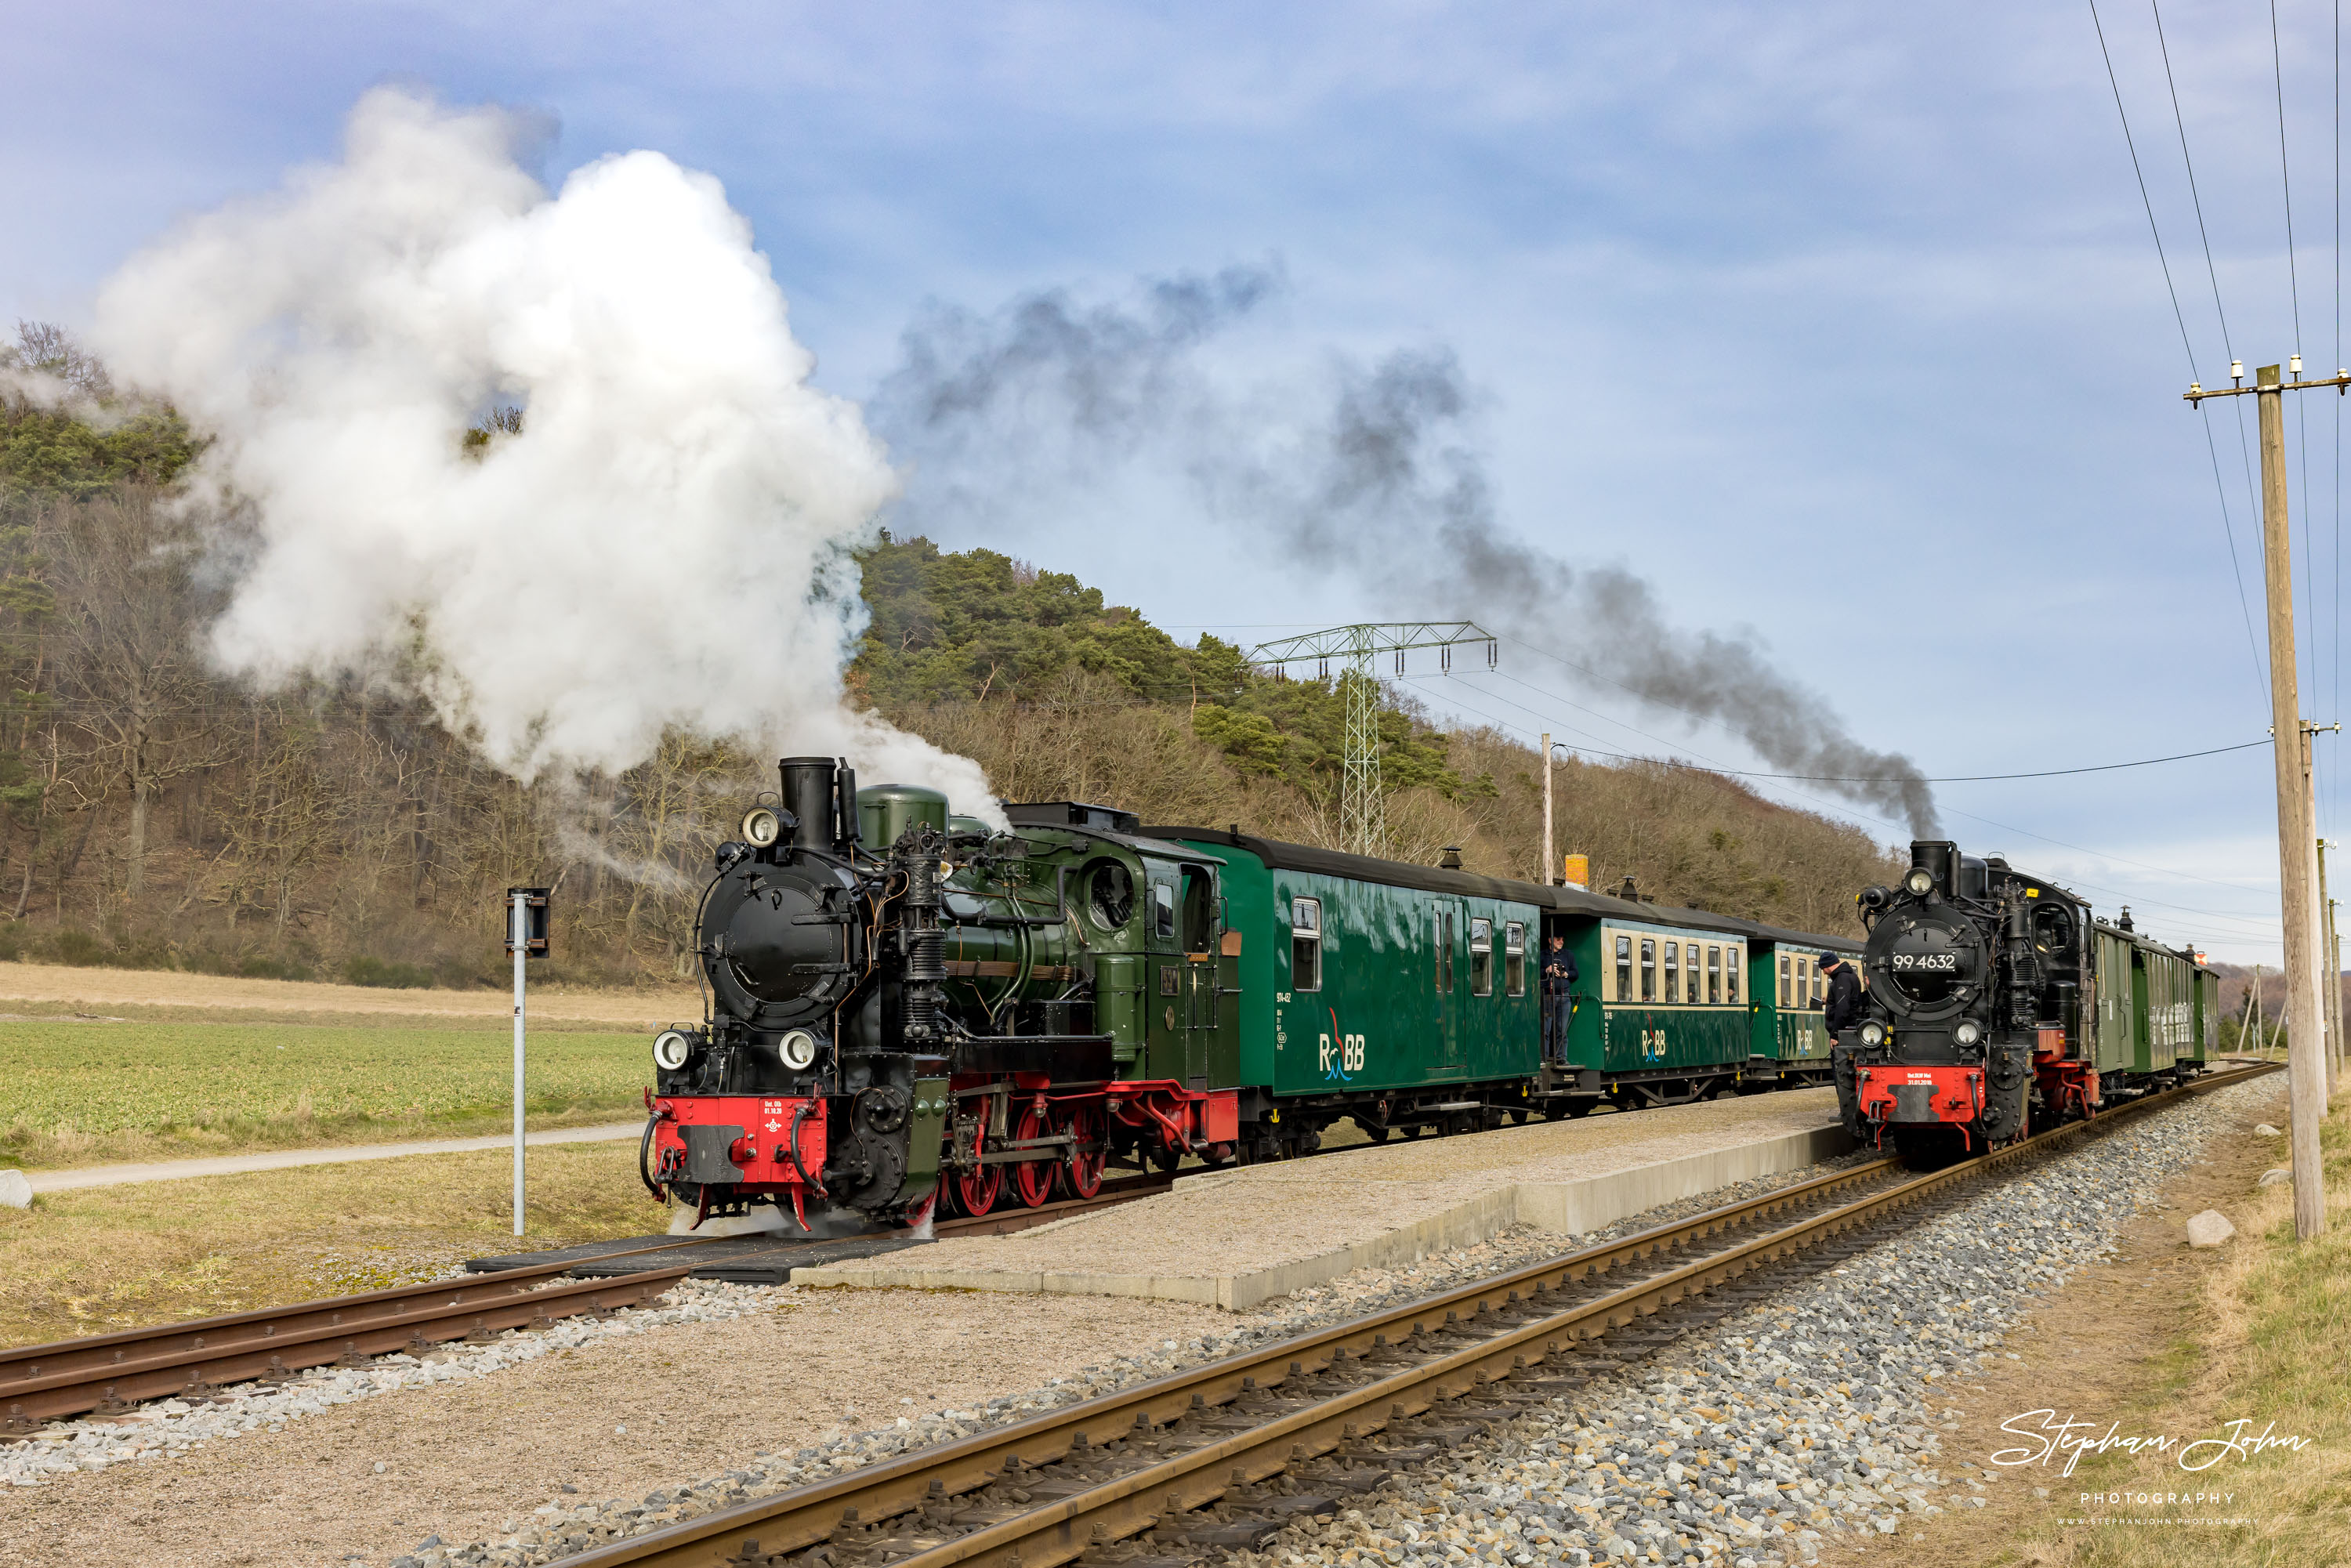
108 1258
2266 1345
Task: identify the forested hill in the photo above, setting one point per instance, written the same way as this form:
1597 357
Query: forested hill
1061 695
152 813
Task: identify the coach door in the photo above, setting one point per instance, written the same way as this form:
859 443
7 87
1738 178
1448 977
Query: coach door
1204 1012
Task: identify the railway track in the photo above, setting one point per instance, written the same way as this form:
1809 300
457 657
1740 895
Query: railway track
112 1373
1199 1458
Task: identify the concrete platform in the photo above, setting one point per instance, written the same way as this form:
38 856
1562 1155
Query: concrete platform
1234 1238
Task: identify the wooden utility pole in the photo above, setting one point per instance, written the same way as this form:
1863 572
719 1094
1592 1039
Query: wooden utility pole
2297 826
1549 862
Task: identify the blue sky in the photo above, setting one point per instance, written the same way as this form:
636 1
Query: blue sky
1839 323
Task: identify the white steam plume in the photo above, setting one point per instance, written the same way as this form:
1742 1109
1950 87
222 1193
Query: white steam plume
665 543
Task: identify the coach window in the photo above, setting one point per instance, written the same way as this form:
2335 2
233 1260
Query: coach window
1306 943
1820 985
1514 958
1623 970
1713 975
1445 952
1693 995
1673 972
1732 964
1481 957
1648 968
1785 1003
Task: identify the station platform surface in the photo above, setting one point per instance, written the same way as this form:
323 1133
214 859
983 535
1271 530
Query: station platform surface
1235 1237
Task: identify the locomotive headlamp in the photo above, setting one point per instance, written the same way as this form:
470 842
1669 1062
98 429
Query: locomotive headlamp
761 827
1873 1034
1968 1033
797 1049
1919 882
671 1048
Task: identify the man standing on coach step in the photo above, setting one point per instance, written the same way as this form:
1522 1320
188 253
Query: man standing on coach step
1558 977
1844 1009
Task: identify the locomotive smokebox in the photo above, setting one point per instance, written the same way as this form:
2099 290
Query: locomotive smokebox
808 791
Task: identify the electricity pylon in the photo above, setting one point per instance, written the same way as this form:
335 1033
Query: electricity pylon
1363 808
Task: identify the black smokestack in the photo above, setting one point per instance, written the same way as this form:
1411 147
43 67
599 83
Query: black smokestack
1376 480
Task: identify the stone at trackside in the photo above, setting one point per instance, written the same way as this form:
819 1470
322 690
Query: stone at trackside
2209 1229
2266 1131
16 1190
2271 1178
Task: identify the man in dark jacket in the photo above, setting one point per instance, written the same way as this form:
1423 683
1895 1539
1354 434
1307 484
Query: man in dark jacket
1844 1009
1558 982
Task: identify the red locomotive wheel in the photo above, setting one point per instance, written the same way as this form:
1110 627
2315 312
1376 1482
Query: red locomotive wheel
1033 1179
1085 1165
977 1189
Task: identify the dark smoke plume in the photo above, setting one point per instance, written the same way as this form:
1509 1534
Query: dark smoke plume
1375 478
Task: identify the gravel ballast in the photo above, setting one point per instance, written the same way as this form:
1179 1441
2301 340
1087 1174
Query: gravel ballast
171 1425
1746 1443
1749 1442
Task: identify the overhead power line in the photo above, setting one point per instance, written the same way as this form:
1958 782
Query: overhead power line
2130 142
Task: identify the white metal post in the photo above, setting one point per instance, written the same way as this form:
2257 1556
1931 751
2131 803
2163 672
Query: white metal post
520 924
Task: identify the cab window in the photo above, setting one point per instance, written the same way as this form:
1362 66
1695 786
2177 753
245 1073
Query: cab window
1306 943
1648 968
1514 958
1623 970
1481 957
1673 971
1713 975
1163 911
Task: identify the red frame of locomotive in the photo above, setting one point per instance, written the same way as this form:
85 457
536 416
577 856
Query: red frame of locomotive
2068 1089
1186 1121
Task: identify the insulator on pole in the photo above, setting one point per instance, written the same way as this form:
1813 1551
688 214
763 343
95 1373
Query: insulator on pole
1445 658
1493 655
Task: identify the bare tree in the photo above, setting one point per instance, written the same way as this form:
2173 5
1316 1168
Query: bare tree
129 680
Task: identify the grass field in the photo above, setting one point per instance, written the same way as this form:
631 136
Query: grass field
81 1092
102 1259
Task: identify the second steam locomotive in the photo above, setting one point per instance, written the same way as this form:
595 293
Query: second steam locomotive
1997 1002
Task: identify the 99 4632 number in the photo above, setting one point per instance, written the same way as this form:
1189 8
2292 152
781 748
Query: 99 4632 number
1925 963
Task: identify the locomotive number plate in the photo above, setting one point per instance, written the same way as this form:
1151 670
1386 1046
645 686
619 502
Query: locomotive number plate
1925 963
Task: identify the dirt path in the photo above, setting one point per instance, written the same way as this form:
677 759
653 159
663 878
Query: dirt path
2095 1351
461 1460
96 989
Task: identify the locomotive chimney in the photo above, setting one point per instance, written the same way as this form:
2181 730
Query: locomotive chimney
1940 860
808 791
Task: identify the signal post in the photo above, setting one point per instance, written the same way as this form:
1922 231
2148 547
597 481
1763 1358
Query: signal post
2307 1041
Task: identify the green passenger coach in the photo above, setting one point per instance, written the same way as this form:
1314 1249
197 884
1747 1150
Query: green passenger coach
1410 998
